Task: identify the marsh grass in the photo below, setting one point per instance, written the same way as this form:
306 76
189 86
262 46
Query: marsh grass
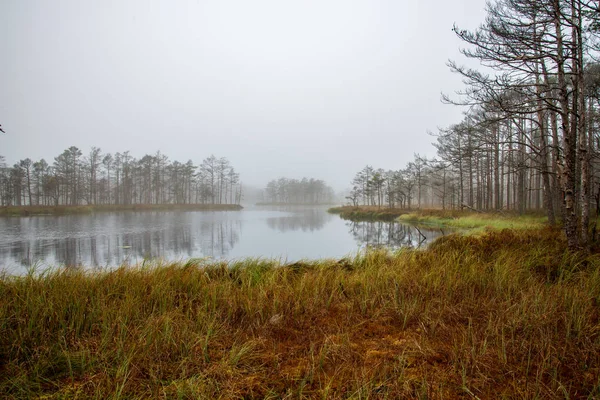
474 222
505 314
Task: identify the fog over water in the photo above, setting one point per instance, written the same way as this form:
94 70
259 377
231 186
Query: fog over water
280 88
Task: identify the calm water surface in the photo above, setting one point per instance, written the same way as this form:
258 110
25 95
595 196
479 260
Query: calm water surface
109 239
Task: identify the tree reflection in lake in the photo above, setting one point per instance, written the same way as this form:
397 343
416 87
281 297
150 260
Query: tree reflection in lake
117 239
392 235
304 219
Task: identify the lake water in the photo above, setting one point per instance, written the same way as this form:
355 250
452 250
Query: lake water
110 239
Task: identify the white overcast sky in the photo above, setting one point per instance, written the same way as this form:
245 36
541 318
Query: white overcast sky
280 87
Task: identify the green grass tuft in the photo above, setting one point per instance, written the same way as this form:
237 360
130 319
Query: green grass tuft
474 222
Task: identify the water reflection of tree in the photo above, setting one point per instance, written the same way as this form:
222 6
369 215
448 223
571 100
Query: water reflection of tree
305 220
209 238
390 234
218 238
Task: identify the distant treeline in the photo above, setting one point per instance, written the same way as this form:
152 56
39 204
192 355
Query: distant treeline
376 187
119 179
294 191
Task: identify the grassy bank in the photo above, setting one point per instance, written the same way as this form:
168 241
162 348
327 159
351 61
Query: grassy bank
503 315
459 219
474 222
16 211
368 213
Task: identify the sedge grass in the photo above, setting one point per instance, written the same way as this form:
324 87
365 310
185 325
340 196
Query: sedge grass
505 314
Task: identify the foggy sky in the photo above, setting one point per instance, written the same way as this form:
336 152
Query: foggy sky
281 88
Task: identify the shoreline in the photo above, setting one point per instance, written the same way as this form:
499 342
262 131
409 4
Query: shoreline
467 221
24 211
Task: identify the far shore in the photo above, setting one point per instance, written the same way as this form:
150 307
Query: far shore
368 213
293 204
23 211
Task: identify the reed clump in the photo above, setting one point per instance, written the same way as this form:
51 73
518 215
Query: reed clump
505 314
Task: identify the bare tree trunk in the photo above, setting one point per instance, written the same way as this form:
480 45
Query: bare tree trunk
497 204
521 168
567 176
582 126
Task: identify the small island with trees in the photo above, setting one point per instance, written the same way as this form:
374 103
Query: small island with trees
305 191
75 183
